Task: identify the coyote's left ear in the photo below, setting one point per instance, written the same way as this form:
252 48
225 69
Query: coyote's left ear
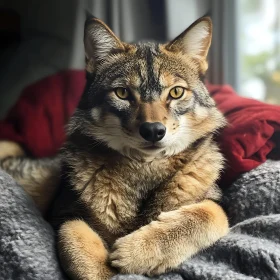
195 41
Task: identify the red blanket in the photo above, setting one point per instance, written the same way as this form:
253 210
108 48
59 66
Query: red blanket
38 118
253 132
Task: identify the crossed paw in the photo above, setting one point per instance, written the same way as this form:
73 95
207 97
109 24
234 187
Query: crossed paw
145 251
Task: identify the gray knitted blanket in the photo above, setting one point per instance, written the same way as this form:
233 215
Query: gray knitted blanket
250 251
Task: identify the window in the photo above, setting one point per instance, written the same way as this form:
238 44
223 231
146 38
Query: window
259 49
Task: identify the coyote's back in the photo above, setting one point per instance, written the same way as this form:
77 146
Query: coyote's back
39 177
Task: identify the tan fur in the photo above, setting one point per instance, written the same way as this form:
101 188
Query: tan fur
153 112
82 252
38 181
9 148
43 192
168 241
186 222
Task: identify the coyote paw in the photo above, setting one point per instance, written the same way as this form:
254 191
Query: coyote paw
142 252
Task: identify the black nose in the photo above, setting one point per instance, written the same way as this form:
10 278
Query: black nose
152 131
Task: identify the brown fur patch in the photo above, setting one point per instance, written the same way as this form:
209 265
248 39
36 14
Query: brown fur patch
153 112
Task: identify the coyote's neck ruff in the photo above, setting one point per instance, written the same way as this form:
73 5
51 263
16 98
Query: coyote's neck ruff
140 163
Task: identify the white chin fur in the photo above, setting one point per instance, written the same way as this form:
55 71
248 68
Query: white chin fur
179 141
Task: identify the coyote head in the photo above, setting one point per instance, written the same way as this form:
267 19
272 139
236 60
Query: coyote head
146 99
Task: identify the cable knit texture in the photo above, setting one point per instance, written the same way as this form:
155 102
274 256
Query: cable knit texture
250 251
27 246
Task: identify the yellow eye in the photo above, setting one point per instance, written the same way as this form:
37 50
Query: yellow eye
176 92
122 93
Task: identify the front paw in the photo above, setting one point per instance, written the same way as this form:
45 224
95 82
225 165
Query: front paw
141 252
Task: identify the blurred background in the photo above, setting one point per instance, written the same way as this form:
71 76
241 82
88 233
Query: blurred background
41 38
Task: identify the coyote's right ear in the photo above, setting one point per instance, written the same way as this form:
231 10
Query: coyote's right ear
99 41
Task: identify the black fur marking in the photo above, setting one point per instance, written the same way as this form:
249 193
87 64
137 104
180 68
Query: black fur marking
150 88
123 115
202 77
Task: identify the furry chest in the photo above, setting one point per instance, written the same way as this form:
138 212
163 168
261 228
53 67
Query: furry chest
115 195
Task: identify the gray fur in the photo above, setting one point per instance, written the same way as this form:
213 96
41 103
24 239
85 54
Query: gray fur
250 251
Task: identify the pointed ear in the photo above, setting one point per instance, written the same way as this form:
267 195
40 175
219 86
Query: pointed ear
195 40
99 41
